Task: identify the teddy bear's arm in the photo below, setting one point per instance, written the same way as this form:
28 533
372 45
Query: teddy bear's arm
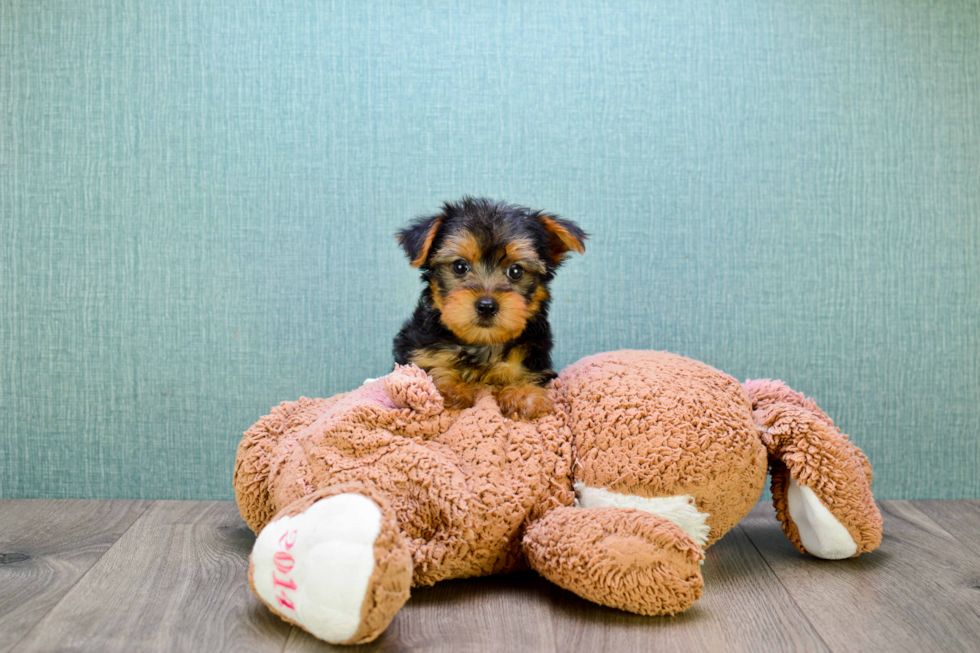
622 558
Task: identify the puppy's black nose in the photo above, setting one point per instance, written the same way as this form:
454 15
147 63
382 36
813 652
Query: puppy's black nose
486 307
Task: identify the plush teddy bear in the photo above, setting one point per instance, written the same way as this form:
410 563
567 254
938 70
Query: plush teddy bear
647 459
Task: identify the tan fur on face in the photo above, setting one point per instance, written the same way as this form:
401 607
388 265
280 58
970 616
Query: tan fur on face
521 251
459 315
455 297
462 245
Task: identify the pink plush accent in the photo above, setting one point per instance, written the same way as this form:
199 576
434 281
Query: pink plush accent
410 387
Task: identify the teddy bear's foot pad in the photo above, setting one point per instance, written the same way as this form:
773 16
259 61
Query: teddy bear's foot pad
820 532
314 568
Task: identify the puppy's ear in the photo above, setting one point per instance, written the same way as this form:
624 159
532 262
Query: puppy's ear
563 235
416 239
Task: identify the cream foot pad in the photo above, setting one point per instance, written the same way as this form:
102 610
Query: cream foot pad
820 532
314 568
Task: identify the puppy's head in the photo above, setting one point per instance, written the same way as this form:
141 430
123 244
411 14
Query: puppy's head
488 264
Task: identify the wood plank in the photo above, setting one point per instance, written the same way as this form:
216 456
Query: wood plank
176 581
959 518
744 608
46 546
510 613
915 593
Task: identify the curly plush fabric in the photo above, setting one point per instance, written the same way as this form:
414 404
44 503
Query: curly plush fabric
804 444
626 559
665 453
652 424
391 579
462 483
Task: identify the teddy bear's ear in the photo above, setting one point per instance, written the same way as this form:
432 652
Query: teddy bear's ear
563 236
417 238
410 387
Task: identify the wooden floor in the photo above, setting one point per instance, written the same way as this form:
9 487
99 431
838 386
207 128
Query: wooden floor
171 576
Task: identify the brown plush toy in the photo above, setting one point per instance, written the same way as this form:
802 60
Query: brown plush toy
648 458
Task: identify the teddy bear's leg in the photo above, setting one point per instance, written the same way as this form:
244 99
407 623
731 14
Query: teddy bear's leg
821 482
334 563
622 558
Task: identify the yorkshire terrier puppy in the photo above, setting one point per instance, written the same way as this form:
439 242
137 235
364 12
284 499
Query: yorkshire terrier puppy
482 319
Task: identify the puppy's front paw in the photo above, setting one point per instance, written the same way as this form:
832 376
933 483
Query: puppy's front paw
524 401
456 394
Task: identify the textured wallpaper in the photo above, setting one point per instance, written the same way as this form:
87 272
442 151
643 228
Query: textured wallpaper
197 202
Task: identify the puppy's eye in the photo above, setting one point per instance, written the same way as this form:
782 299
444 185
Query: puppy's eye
515 272
460 267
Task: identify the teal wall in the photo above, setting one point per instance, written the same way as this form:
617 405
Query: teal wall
197 202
